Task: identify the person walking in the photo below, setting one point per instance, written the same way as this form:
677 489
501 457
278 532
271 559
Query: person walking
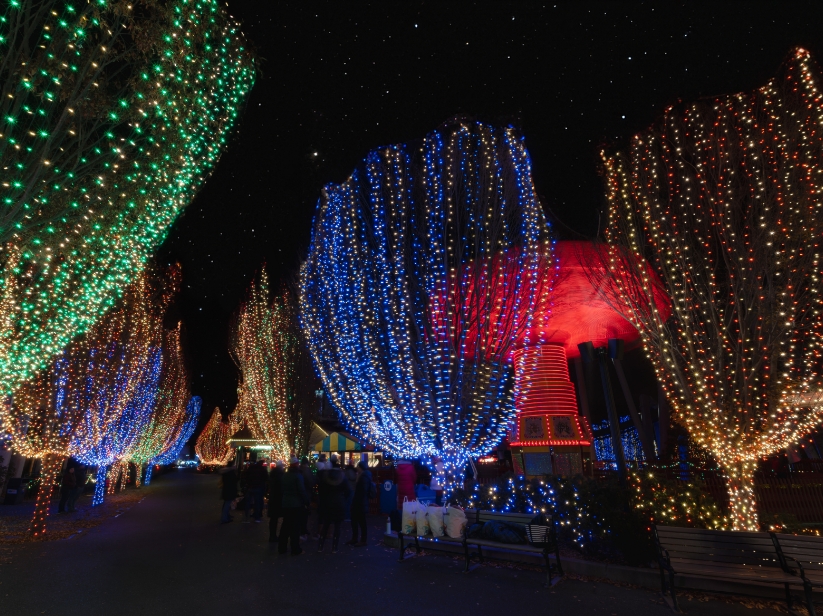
228 491
308 483
360 505
67 487
332 491
275 499
294 501
351 479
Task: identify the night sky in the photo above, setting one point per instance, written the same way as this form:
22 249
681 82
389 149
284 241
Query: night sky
339 79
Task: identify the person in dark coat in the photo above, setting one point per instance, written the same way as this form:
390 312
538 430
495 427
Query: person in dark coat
332 491
351 479
275 499
257 479
228 491
294 501
67 487
309 483
360 505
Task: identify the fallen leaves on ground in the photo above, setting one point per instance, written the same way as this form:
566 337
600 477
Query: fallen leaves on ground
14 526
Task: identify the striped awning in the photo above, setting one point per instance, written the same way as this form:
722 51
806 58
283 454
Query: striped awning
337 442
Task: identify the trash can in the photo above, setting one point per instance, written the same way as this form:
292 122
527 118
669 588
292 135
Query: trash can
388 496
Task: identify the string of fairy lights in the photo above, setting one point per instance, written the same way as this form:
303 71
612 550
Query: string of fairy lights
108 130
399 294
724 197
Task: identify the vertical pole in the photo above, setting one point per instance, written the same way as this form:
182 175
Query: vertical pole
614 420
646 418
648 449
149 469
583 394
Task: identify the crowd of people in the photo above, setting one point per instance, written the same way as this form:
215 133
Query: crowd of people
341 494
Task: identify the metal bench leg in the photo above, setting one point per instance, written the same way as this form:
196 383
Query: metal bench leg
548 569
809 599
672 593
788 597
557 559
480 553
468 557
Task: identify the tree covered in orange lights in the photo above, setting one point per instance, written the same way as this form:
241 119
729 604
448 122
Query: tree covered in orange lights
212 446
268 348
722 196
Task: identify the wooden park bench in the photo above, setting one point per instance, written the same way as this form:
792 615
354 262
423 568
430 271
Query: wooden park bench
802 555
738 556
543 539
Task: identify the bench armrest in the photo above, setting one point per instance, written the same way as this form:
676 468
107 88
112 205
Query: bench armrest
664 560
800 572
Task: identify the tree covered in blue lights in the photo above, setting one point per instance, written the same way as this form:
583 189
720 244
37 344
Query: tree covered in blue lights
422 274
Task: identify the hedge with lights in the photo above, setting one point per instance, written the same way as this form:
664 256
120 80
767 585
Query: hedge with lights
599 516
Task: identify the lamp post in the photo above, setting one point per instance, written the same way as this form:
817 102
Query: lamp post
589 354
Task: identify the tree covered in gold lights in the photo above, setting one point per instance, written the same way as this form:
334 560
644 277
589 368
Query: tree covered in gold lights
722 196
212 446
268 348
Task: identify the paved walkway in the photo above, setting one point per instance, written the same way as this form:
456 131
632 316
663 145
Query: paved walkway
168 555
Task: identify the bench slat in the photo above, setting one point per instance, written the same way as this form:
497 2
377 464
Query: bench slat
721 535
519 547
730 541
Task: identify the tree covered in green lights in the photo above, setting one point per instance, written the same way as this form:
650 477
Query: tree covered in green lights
112 115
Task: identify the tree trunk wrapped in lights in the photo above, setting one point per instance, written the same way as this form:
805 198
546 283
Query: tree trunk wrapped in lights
723 198
212 446
409 298
112 115
268 347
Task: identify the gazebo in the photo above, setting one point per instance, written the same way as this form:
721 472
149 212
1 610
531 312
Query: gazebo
348 448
